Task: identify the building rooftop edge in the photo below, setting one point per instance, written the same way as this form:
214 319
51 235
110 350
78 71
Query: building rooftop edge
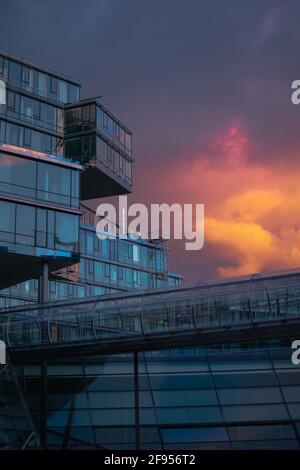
26 62
97 100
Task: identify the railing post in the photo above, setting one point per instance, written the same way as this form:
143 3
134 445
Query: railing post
136 400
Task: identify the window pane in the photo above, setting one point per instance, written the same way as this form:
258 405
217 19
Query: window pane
7 221
14 73
194 435
66 232
17 175
73 93
25 225
54 183
63 92
12 134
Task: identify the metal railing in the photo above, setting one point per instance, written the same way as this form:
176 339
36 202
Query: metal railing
148 314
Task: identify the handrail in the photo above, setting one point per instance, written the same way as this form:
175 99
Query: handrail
141 314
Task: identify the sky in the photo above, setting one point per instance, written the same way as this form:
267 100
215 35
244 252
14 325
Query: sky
205 86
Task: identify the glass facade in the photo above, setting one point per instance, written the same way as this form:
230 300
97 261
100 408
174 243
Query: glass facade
91 148
106 266
31 230
22 136
232 397
94 135
34 112
33 116
38 180
40 83
16 427
95 116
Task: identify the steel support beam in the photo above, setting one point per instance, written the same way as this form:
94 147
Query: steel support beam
136 400
43 298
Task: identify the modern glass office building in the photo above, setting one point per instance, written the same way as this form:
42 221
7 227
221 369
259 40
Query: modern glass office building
223 388
58 150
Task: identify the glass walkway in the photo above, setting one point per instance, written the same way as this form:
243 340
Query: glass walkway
259 306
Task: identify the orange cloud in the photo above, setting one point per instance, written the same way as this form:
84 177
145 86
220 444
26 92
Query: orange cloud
252 209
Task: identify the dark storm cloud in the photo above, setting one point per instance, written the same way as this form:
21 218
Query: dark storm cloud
177 72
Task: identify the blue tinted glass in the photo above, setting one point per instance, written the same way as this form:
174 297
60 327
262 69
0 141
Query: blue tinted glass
194 434
67 232
25 225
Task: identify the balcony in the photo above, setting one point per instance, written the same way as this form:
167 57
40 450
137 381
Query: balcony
23 248
102 144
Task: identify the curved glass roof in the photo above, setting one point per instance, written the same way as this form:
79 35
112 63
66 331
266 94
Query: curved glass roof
247 300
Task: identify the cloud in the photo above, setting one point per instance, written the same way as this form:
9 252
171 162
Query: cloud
252 217
260 222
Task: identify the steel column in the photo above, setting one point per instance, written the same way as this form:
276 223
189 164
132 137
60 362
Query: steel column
136 400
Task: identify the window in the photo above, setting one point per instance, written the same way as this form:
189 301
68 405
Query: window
107 270
63 92
13 105
116 162
89 244
88 113
90 265
73 148
25 225
75 188
259 432
2 131
74 119
104 246
120 273
196 435
39 83
27 78
7 221
129 277
136 253
105 121
52 87
110 159
67 232
51 229
41 228
113 273
136 277
128 141
37 142
54 183
97 271
27 137
73 93
38 113
26 108
99 118
50 117
3 66
12 134
110 126
17 175
81 291
14 73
